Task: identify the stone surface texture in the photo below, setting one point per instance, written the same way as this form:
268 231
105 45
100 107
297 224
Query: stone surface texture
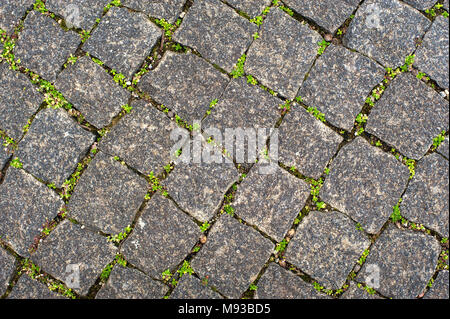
190 287
161 9
11 11
27 288
440 287
7 266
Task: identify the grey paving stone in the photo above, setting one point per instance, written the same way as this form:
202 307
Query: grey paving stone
190 287
252 7
271 202
27 288
365 183
327 246
279 283
161 9
444 148
409 116
92 91
386 30
7 266
421 4
127 283
54 145
123 40
278 58
339 84
306 143
163 237
432 57
221 258
355 292
446 2
5 154
185 84
11 11
329 14
426 199
69 248
108 195
78 13
19 100
141 139
440 288
26 200
217 32
43 46
406 261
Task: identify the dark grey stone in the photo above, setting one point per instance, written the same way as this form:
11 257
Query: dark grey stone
409 116
108 195
19 100
252 7
7 266
271 202
386 30
92 91
426 199
432 57
329 14
5 154
141 139
161 9
43 46
327 246
54 145
162 238
421 4
279 283
444 148
283 53
78 13
446 6
440 288
11 11
27 288
355 292
69 247
365 183
127 283
184 83
221 258
190 287
26 205
123 40
406 261
217 32
339 84
306 143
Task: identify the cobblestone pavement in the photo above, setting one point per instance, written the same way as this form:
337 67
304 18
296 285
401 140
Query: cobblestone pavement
93 203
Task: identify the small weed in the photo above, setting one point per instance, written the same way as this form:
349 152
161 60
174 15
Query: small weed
239 68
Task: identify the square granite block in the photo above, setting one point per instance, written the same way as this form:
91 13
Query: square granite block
279 283
271 202
7 266
217 32
19 100
327 246
162 238
306 143
405 261
421 4
108 195
43 46
70 249
25 206
232 257
365 183
128 283
432 57
444 148
329 14
440 287
141 139
283 53
123 40
339 84
190 287
252 7
27 288
92 91
409 116
426 199
161 9
184 83
356 292
386 30
78 13
11 11
54 145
